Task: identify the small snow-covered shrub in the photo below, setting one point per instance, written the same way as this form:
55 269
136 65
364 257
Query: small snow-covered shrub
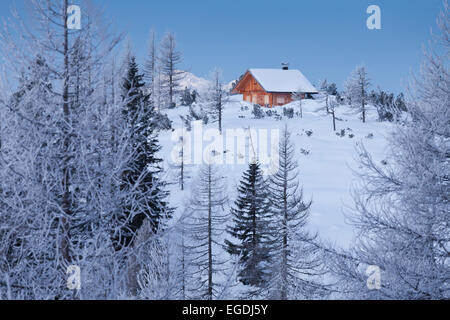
351 135
288 112
257 111
214 153
369 136
195 114
341 133
186 122
388 107
162 121
305 152
309 133
199 114
272 113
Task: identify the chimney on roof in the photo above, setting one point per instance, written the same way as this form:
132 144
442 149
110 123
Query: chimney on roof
285 66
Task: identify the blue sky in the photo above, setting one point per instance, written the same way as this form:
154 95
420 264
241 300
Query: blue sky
322 38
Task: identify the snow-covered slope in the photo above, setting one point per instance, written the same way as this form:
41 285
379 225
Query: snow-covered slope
325 160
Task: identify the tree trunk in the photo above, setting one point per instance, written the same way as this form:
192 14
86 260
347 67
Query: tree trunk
363 104
253 279
220 117
210 262
171 88
66 144
182 167
183 266
334 120
283 295
301 108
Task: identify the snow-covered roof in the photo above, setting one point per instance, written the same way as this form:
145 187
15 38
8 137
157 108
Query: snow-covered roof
278 80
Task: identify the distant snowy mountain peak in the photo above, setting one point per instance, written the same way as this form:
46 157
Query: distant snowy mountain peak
199 84
194 82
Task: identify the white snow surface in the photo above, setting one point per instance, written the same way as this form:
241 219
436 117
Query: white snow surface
326 173
278 80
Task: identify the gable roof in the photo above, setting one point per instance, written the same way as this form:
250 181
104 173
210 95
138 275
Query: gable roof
278 80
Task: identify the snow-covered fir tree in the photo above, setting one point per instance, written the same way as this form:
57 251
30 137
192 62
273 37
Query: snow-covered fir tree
188 97
144 171
251 228
332 89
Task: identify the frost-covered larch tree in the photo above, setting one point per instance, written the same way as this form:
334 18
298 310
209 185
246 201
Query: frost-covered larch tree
332 110
64 150
184 271
356 90
151 67
299 96
180 165
169 60
324 88
402 207
296 264
204 227
217 98
151 270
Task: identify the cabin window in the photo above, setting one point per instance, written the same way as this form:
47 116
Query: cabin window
266 99
254 98
280 100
